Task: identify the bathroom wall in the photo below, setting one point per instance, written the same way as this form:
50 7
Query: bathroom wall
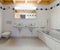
8 17
55 15
0 19
9 21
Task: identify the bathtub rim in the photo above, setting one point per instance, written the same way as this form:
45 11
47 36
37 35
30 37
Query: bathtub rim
55 39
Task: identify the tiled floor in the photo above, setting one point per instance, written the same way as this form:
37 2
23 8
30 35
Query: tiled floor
23 44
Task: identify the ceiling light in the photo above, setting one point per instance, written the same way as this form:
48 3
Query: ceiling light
14 1
38 1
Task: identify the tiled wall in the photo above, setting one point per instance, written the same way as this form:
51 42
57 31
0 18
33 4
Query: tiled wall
55 15
0 19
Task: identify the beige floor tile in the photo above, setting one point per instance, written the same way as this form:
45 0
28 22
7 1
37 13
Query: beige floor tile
24 44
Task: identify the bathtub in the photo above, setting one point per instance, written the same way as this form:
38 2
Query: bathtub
55 34
51 39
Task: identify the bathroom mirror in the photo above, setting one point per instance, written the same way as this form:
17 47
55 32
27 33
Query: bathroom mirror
25 14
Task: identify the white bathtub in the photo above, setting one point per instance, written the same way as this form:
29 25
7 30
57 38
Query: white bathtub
55 34
51 39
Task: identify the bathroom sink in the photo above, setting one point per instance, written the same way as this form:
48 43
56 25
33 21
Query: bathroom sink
32 27
19 27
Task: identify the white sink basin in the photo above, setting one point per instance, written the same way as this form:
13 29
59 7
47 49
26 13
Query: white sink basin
18 27
31 28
